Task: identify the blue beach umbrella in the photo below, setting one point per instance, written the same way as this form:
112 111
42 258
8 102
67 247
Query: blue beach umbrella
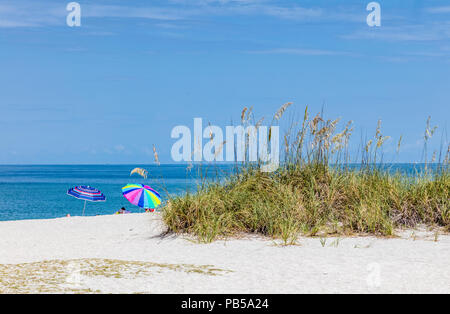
86 193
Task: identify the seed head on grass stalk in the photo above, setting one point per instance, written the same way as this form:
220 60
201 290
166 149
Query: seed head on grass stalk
260 121
243 115
428 134
155 156
279 114
447 156
399 143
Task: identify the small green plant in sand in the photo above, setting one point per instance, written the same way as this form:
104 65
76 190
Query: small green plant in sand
316 190
436 236
335 243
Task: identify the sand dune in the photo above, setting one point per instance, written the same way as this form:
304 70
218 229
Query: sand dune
126 254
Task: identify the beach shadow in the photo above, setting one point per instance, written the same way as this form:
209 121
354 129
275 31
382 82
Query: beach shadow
164 235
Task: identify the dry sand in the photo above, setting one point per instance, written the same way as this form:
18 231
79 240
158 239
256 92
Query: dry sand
126 254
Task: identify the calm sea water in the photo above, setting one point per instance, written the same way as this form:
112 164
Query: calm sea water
37 192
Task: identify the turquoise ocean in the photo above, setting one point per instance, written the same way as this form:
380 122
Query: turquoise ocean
39 191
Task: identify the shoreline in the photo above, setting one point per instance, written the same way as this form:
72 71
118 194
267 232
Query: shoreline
126 254
64 217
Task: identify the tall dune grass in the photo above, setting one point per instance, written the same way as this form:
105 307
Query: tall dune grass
316 190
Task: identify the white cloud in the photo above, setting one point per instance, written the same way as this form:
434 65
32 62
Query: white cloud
12 23
300 51
34 14
439 10
219 2
51 13
428 32
289 13
153 13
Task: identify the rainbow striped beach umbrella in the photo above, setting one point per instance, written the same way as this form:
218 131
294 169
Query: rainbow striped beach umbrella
86 193
141 195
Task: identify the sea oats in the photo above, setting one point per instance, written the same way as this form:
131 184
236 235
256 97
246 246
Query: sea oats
369 143
211 137
249 114
280 112
243 114
155 155
399 143
309 191
219 150
258 124
447 156
314 123
429 131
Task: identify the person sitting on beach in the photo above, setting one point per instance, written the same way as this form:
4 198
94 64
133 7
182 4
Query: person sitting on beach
122 211
149 210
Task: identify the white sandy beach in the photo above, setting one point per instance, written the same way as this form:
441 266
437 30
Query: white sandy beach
126 254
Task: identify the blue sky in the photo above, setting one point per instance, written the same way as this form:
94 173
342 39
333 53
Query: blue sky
107 91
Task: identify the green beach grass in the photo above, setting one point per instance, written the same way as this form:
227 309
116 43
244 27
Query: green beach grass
316 191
